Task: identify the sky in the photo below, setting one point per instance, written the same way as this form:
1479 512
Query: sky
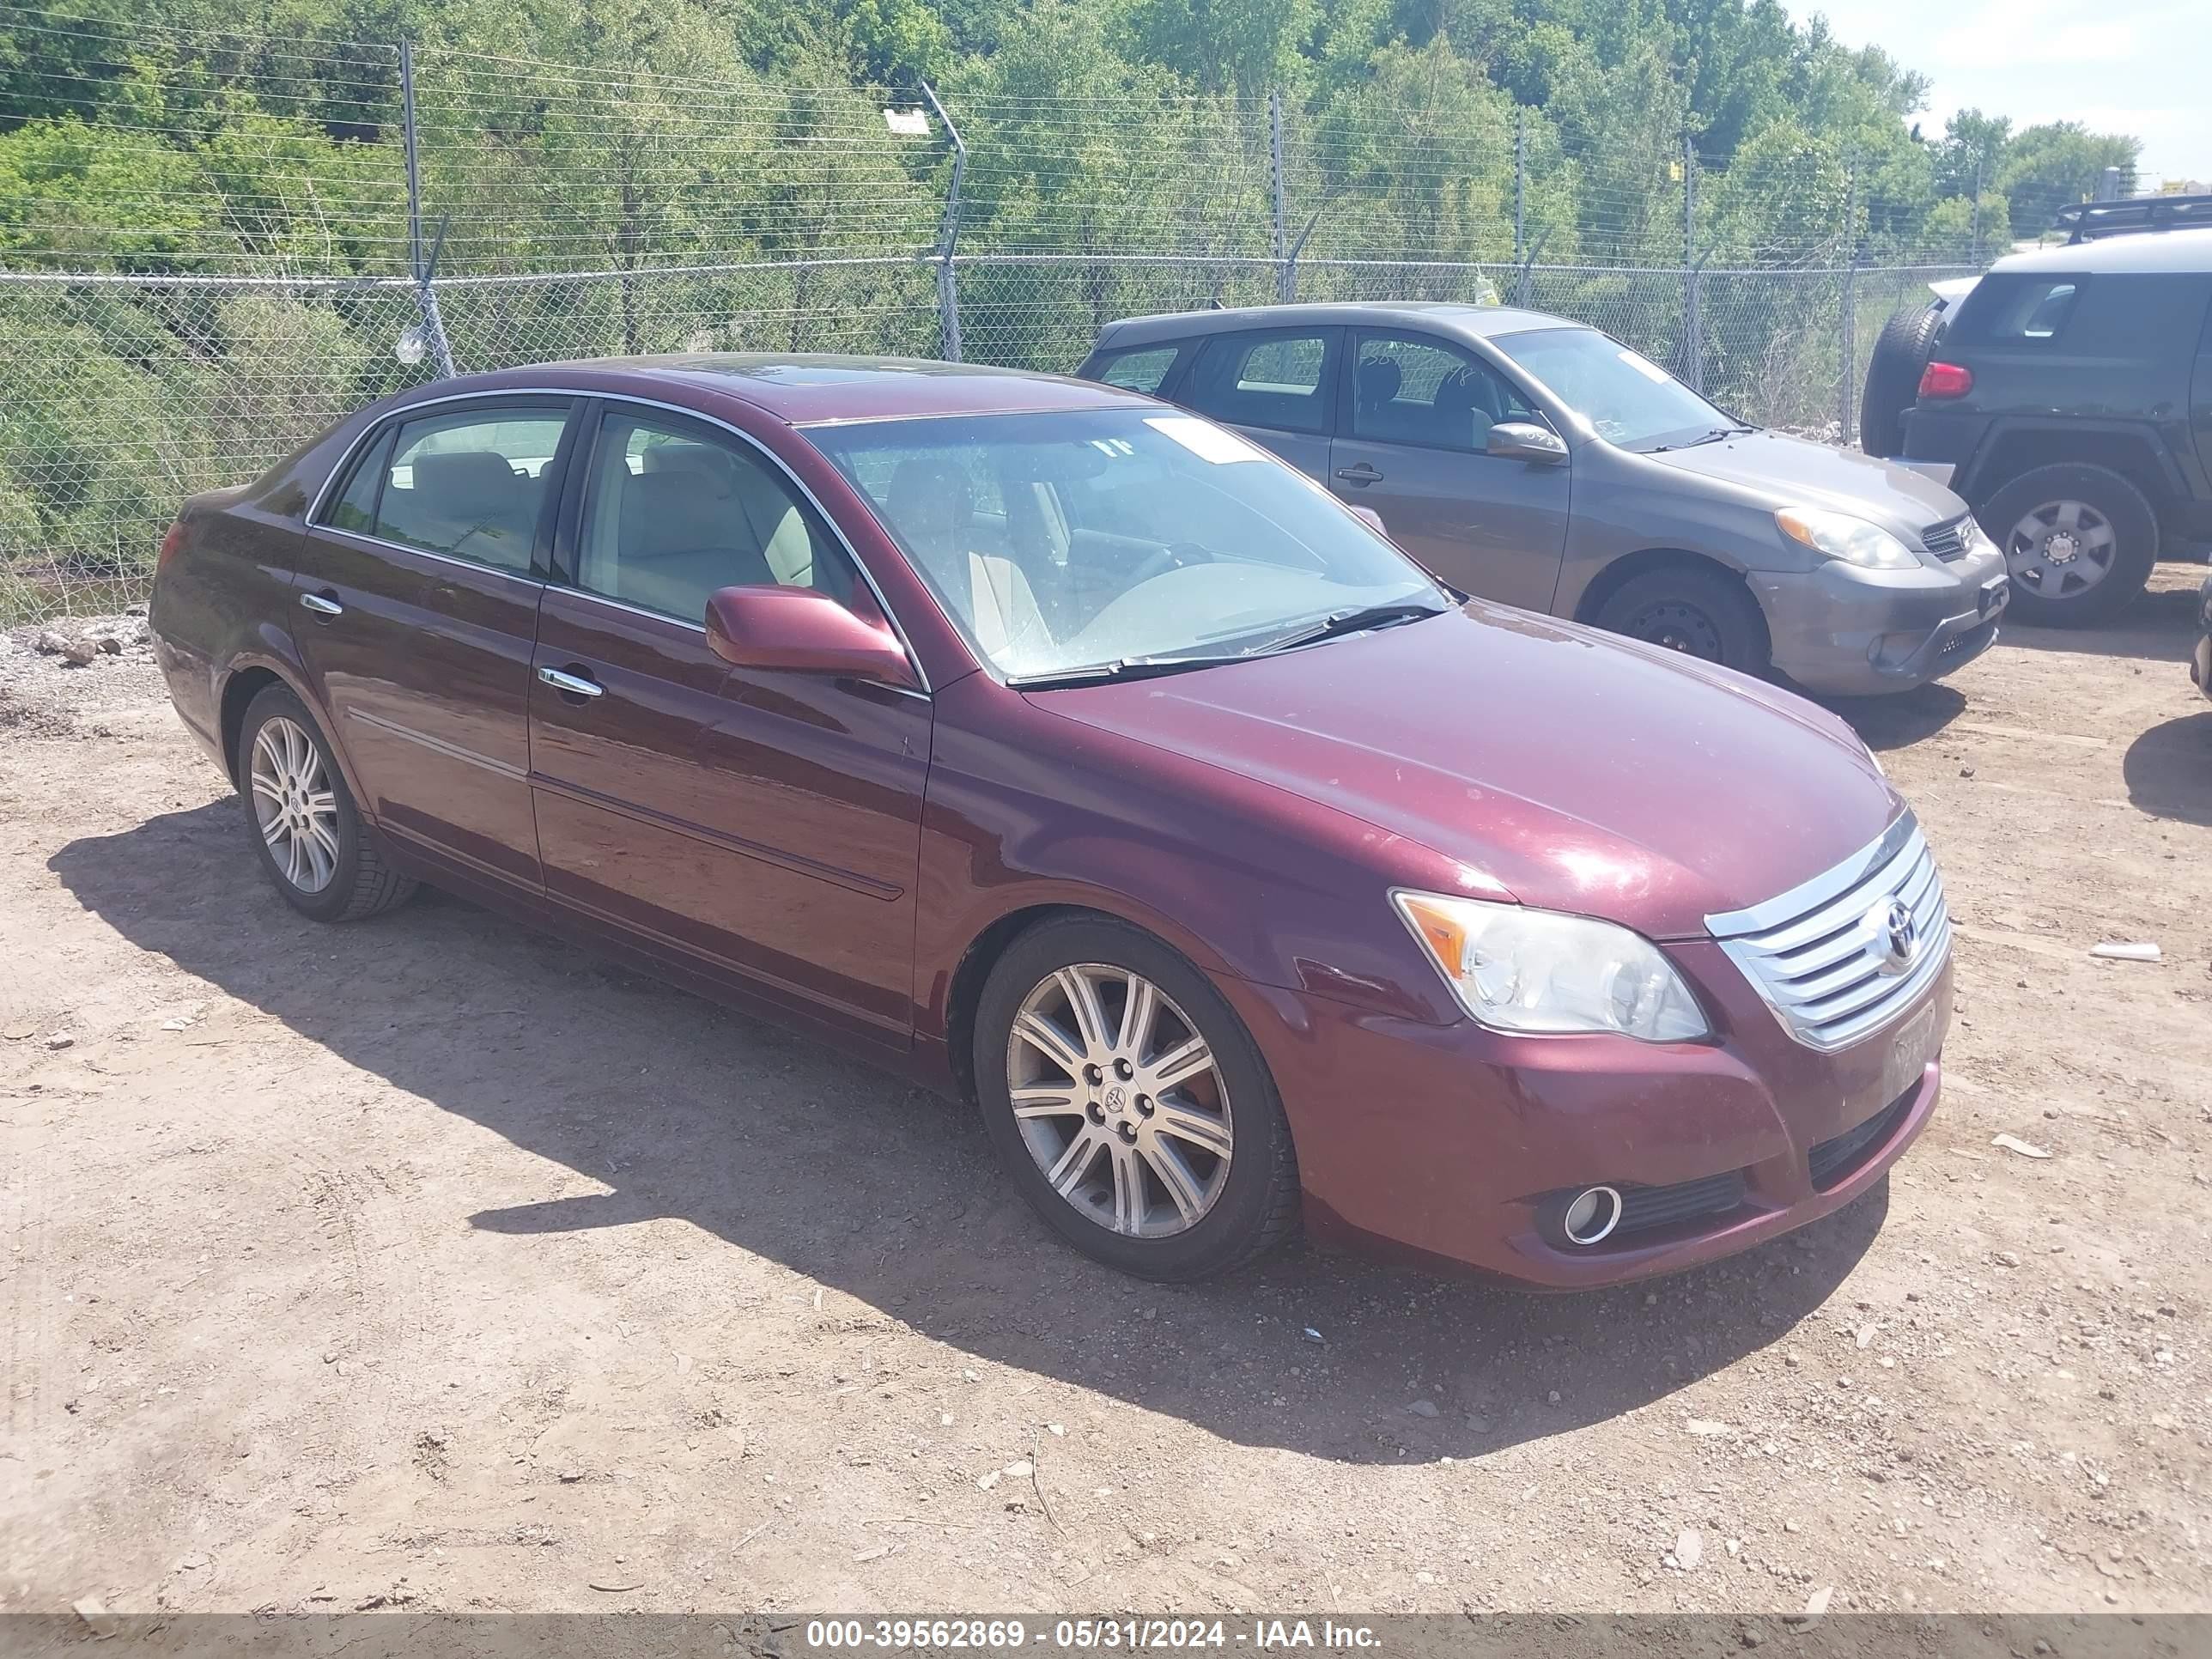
2135 66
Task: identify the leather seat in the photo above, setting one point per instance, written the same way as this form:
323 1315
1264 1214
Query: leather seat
470 503
932 505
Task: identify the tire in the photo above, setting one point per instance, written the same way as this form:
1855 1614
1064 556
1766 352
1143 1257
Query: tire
1901 351
1234 1207
286 781
1699 612
2092 507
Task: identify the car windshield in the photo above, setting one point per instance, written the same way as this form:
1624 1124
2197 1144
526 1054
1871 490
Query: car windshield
1628 400
1100 539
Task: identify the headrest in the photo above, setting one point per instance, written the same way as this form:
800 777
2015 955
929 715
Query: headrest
464 481
1379 379
716 465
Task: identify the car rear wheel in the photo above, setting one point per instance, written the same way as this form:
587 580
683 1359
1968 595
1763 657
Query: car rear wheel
1129 1104
2078 540
305 827
1901 351
1701 613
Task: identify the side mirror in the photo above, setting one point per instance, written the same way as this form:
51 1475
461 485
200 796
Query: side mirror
806 631
1522 441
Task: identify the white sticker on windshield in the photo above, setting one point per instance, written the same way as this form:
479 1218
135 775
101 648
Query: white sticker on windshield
1644 366
1204 439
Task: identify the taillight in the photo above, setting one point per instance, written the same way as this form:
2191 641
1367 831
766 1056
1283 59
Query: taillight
1946 381
170 544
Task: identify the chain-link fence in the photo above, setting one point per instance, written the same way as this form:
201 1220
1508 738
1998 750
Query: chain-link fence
160 338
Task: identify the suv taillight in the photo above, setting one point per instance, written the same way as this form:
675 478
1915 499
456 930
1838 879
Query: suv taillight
1942 379
170 544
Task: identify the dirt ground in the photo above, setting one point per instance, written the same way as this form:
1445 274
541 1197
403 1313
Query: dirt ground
429 1263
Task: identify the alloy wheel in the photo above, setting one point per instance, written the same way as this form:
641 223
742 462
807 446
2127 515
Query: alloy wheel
1120 1100
294 805
2061 549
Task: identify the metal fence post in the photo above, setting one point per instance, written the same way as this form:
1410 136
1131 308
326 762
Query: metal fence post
1520 186
418 268
1849 342
1694 345
1285 282
1977 232
948 239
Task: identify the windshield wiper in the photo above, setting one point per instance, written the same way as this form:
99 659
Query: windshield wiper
1121 668
1351 621
1712 437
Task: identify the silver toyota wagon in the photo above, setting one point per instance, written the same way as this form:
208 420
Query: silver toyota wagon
1537 461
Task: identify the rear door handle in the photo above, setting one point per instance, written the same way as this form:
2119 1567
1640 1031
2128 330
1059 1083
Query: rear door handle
1361 474
572 685
322 604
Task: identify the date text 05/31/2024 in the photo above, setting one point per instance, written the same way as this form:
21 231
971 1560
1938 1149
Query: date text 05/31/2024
1127 1634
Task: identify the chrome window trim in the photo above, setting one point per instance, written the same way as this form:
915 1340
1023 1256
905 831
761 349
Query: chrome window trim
571 394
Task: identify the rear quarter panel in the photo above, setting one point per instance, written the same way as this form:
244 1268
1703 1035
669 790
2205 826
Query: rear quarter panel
221 602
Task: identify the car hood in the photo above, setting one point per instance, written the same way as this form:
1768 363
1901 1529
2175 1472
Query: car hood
1787 471
1576 771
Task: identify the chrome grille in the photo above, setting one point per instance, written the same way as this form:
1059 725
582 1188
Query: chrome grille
1947 540
1822 955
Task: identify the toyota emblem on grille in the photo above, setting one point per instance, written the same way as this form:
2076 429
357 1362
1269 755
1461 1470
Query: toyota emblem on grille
1897 936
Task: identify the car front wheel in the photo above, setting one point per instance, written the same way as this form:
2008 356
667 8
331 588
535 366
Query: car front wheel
1699 612
305 827
1129 1104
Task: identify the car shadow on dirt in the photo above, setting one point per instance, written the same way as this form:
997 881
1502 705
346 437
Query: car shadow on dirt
2158 625
2169 769
780 1145
1902 719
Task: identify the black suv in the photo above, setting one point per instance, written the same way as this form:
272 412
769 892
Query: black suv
2070 391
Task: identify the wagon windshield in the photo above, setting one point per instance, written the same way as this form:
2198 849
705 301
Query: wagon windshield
1627 399
1099 539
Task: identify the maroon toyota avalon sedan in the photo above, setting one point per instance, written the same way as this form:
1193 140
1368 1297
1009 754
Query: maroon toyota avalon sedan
1068 751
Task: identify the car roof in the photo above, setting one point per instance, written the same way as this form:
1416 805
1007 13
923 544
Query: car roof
1450 317
806 388
2183 251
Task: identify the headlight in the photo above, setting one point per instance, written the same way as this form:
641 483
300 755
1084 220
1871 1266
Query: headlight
1518 970
1840 536
1977 539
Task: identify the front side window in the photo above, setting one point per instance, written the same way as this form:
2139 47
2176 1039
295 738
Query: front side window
1409 390
673 512
1275 381
1626 398
469 485
1087 538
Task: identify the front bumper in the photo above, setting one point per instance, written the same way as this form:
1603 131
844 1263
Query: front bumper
1849 631
1452 1145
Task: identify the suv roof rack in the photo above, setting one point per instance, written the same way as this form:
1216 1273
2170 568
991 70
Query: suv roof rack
2086 222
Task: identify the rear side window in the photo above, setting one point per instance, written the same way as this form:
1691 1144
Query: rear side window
2019 309
1140 370
471 485
1277 381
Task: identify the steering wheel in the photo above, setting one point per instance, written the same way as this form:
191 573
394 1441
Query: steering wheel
1171 556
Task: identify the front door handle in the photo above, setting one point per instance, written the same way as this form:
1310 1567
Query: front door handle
322 604
571 685
1361 474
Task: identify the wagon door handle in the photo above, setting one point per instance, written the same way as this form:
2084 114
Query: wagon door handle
1361 474
322 604
571 685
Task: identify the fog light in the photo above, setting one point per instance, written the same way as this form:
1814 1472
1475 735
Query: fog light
1590 1215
